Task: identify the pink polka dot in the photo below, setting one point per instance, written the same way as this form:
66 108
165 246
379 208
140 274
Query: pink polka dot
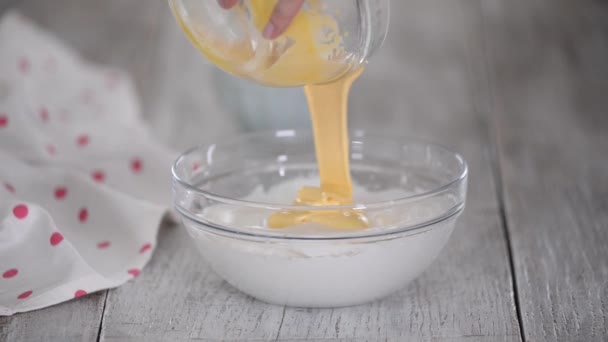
56 239
10 273
83 215
20 211
136 165
99 176
145 248
24 295
3 120
82 140
80 293
134 272
44 114
87 96
50 148
61 192
196 166
103 244
24 65
9 188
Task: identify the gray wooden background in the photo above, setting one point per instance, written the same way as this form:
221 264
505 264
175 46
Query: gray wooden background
519 87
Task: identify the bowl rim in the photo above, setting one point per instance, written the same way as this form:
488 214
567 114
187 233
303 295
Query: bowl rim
462 175
459 178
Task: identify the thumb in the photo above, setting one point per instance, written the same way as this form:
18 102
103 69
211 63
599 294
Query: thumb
281 17
226 4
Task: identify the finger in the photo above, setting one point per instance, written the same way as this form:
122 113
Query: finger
227 4
281 17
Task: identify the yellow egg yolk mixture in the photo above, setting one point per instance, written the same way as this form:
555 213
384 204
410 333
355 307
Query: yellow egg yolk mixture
304 54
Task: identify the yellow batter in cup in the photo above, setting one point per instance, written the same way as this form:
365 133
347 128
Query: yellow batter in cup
310 52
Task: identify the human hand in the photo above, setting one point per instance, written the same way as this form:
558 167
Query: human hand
282 15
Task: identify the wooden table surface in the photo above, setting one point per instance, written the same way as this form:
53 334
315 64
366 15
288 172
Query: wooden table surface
519 87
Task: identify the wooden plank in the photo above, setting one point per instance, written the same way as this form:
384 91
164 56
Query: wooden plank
178 297
90 29
465 295
450 302
76 320
550 86
421 83
6 4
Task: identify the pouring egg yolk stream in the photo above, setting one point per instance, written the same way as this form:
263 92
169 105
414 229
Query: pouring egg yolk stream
328 108
306 53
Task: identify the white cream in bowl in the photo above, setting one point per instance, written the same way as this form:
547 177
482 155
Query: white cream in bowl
313 266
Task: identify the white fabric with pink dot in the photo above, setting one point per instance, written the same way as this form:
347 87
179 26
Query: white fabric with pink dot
83 185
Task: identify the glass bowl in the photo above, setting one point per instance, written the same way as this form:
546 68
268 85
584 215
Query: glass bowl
412 193
326 39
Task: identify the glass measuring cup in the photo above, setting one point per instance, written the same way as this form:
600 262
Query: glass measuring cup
326 40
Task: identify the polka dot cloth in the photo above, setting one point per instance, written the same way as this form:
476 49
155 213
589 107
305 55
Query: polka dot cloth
83 185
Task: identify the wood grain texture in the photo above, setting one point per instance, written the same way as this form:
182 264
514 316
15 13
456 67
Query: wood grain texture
424 82
432 94
178 297
465 295
76 320
550 91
